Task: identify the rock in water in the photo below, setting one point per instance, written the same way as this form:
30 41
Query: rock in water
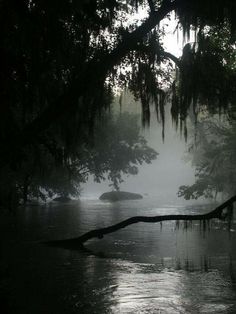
119 196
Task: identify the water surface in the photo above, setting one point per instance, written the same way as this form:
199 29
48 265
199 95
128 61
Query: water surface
144 268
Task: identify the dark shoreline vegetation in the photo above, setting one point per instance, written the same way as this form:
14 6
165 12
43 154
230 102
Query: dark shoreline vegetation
82 82
62 62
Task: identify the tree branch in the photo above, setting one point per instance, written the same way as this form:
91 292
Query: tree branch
88 79
170 56
163 53
99 233
151 5
131 40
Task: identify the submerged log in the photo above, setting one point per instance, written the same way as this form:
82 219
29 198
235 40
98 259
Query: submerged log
220 212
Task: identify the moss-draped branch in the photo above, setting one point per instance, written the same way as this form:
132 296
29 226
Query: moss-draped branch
217 213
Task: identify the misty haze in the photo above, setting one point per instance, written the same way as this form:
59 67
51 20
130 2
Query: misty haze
117 164
162 178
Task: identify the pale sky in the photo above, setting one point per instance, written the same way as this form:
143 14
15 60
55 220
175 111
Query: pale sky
173 41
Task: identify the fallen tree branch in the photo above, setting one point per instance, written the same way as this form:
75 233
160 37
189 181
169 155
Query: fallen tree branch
218 212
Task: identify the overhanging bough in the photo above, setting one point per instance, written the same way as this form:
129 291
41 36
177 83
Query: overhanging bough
221 212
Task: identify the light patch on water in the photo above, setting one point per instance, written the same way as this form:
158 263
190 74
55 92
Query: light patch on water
145 288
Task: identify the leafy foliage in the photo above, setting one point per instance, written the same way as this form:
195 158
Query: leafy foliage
120 149
206 80
213 156
61 60
116 149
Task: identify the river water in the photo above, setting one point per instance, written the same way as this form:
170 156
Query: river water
144 268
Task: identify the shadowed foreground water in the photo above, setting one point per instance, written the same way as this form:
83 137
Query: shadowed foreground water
145 268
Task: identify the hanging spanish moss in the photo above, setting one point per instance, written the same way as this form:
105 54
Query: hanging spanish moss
62 62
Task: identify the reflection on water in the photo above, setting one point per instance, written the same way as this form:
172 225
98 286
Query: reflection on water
145 268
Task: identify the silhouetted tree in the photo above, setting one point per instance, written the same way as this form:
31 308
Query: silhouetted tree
60 61
117 148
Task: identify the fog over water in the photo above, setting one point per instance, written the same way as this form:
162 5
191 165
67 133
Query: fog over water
168 268
162 178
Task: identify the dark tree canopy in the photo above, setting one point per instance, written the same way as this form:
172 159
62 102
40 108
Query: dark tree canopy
63 57
61 60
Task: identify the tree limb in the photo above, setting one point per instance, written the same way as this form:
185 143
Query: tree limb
68 101
99 233
80 88
130 41
151 5
170 56
163 53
